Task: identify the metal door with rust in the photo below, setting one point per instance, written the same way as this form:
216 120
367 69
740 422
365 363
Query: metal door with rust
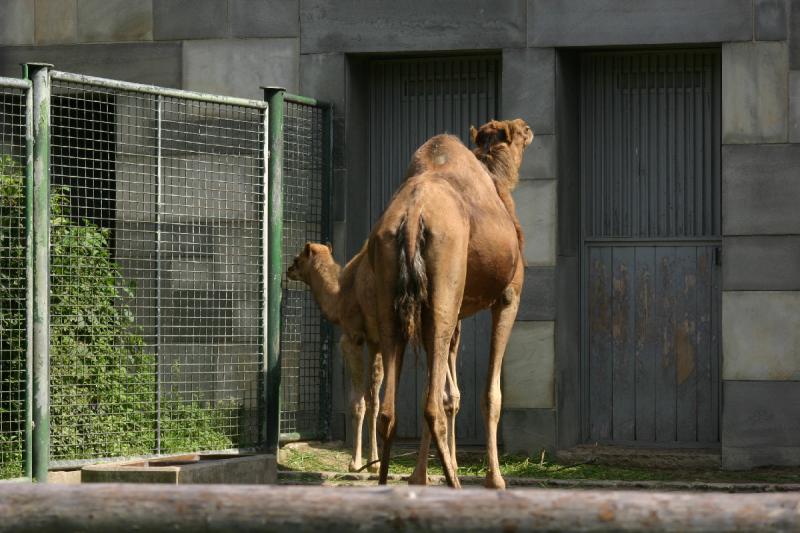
411 100
650 171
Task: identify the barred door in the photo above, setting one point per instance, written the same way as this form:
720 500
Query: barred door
650 164
412 100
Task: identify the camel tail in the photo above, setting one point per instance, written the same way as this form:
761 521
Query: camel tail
412 279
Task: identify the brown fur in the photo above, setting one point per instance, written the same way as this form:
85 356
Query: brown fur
472 260
346 297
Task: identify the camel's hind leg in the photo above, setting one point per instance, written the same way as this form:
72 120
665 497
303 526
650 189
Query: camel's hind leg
504 312
353 356
452 403
373 404
387 420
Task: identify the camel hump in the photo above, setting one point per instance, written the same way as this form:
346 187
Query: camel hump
437 152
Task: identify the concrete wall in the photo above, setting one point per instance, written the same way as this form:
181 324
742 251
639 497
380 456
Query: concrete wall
318 47
761 225
229 47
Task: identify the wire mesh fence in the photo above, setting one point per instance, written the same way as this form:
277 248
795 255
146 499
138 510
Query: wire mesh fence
158 279
305 335
156 273
13 279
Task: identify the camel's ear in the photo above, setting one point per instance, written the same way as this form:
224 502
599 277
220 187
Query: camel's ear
473 134
307 251
506 133
330 248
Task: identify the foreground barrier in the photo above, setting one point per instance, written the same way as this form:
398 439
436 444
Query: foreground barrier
155 508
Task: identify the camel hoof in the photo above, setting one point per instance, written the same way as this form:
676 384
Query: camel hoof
374 468
354 466
495 482
417 480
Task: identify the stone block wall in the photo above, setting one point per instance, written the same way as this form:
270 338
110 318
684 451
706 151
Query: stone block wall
320 48
230 47
761 249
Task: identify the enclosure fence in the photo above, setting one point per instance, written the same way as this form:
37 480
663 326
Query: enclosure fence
142 232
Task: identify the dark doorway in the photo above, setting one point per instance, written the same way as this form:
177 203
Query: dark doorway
411 100
650 171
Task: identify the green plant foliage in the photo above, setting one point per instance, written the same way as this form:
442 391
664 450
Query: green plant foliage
103 389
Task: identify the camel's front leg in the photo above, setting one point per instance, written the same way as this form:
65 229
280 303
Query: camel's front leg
373 405
353 356
504 313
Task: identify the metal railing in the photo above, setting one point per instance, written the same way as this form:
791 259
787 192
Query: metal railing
149 319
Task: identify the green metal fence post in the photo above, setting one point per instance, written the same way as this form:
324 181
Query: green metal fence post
40 240
272 394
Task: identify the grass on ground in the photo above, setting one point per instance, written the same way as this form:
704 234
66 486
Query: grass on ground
325 457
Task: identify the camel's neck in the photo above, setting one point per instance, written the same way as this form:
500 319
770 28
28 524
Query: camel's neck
502 167
325 287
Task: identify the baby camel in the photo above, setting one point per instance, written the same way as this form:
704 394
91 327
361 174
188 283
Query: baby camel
346 297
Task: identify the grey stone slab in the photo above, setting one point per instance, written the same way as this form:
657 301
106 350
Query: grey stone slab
240 67
56 21
754 92
794 34
760 189
794 106
626 22
154 63
536 208
264 18
567 139
339 200
568 352
539 162
766 263
528 431
115 20
771 20
528 378
761 335
16 22
323 76
529 87
190 19
538 294
387 25
761 423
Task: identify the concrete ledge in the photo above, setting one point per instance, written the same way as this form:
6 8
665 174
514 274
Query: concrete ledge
351 479
188 469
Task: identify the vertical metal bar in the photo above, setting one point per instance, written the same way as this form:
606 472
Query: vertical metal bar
274 98
159 212
40 245
29 279
265 234
327 180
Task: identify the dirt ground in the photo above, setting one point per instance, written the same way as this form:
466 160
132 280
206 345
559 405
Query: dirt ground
326 464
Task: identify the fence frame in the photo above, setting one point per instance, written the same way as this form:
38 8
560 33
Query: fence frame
277 96
37 78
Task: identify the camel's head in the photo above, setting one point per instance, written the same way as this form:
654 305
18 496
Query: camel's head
499 140
309 260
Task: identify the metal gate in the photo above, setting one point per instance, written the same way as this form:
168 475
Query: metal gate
650 170
412 100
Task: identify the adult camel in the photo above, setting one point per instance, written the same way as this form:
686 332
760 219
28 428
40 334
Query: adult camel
447 246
